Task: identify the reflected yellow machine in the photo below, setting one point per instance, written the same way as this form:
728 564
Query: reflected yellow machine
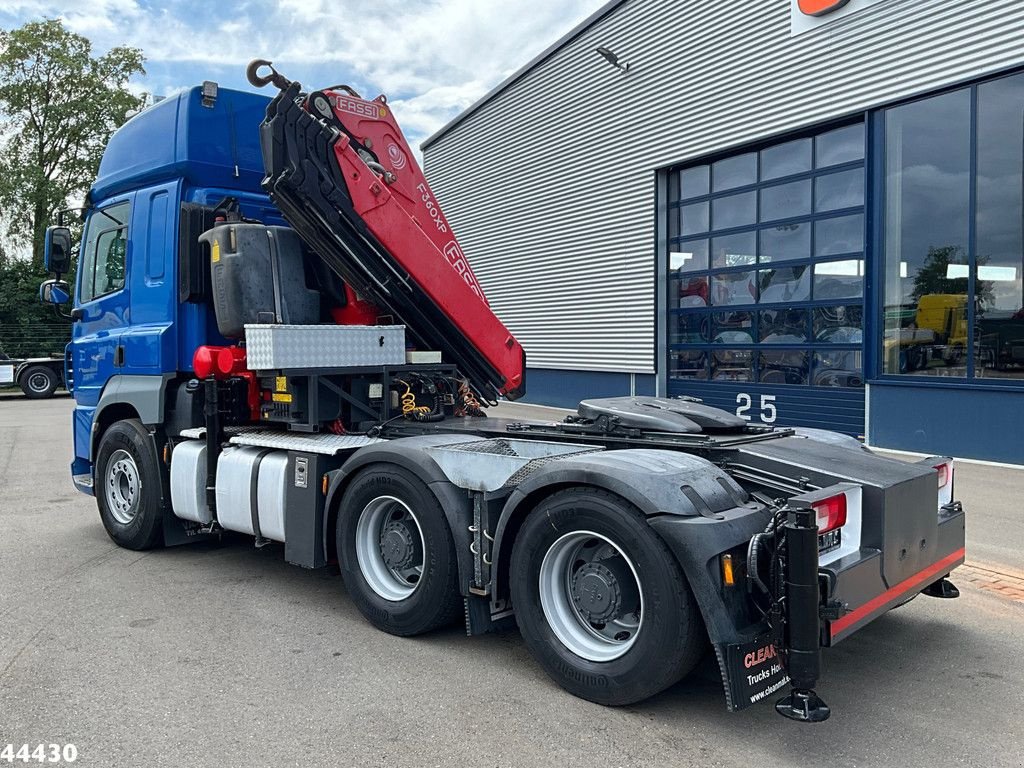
937 330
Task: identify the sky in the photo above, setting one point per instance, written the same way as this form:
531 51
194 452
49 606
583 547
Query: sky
432 58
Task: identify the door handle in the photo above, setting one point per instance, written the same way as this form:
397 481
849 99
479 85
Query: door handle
119 356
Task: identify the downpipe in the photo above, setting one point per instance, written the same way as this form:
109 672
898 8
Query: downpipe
801 629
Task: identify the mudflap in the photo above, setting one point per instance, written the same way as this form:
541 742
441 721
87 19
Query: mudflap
751 671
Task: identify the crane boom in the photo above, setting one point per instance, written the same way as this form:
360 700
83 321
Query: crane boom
344 177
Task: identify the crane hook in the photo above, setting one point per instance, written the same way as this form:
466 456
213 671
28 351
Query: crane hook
258 80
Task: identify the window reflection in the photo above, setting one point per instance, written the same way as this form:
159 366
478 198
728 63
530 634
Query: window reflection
689 328
783 326
688 256
839 190
732 365
739 301
839 325
785 284
786 159
927 152
689 364
839 368
692 291
785 241
839 279
733 288
694 181
734 210
844 234
785 201
733 328
734 172
999 313
784 366
733 250
842 145
694 218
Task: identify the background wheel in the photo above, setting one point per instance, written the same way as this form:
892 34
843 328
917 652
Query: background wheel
601 602
127 486
38 382
396 552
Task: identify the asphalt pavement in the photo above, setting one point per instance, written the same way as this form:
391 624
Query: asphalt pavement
210 655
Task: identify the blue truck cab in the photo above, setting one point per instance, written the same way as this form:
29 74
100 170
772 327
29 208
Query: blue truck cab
137 320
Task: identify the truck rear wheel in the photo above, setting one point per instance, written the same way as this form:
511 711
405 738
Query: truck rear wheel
600 600
396 552
127 486
38 382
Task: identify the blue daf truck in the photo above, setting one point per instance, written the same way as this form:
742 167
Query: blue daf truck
266 341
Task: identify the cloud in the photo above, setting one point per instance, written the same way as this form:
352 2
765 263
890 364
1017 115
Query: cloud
432 57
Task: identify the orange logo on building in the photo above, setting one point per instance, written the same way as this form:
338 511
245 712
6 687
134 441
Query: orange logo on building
820 7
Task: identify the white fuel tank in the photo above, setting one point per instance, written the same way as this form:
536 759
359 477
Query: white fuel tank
236 469
188 482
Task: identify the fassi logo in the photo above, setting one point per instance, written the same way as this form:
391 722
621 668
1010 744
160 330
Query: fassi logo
819 7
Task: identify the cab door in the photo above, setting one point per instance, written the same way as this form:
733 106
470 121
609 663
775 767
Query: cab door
101 307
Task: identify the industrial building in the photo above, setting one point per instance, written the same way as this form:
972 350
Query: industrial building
808 212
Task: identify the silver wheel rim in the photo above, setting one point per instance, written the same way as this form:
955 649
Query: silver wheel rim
390 548
591 596
38 382
123 487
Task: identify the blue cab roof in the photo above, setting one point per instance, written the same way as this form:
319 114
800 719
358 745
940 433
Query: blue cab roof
179 137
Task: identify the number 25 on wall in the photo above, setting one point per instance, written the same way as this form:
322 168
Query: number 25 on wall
768 411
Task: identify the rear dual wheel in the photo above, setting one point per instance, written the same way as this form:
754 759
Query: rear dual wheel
396 552
601 601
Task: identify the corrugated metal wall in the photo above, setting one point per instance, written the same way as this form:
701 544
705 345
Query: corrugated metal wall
550 186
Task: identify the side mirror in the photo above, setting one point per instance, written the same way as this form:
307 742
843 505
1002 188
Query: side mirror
54 292
57 250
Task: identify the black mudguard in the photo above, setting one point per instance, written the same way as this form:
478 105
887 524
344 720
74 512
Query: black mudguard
697 509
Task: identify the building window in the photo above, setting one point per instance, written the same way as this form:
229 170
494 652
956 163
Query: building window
952 305
766 264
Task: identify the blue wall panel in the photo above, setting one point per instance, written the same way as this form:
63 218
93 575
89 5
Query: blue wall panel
565 389
838 409
973 423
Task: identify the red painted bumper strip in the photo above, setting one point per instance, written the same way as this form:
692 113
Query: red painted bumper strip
924 577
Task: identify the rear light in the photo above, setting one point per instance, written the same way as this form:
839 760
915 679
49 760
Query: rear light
831 512
945 470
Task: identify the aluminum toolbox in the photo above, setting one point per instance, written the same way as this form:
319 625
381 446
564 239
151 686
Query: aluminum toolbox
276 347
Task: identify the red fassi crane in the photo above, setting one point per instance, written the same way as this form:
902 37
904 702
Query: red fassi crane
345 178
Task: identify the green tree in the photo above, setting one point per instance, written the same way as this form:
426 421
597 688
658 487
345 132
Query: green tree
59 104
27 328
933 276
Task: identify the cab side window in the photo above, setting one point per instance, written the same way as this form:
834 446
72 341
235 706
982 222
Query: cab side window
104 249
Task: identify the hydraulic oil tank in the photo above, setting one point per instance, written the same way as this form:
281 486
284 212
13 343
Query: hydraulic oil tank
243 472
258 276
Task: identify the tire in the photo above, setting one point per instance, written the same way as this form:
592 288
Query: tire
396 553
127 486
38 382
620 658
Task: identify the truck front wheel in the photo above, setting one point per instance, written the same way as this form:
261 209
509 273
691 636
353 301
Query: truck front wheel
127 486
396 552
38 382
601 601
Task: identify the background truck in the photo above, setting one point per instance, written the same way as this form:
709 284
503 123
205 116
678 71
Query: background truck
38 377
935 330
278 334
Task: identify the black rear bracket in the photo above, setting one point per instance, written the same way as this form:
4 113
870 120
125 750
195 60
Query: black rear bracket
801 636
